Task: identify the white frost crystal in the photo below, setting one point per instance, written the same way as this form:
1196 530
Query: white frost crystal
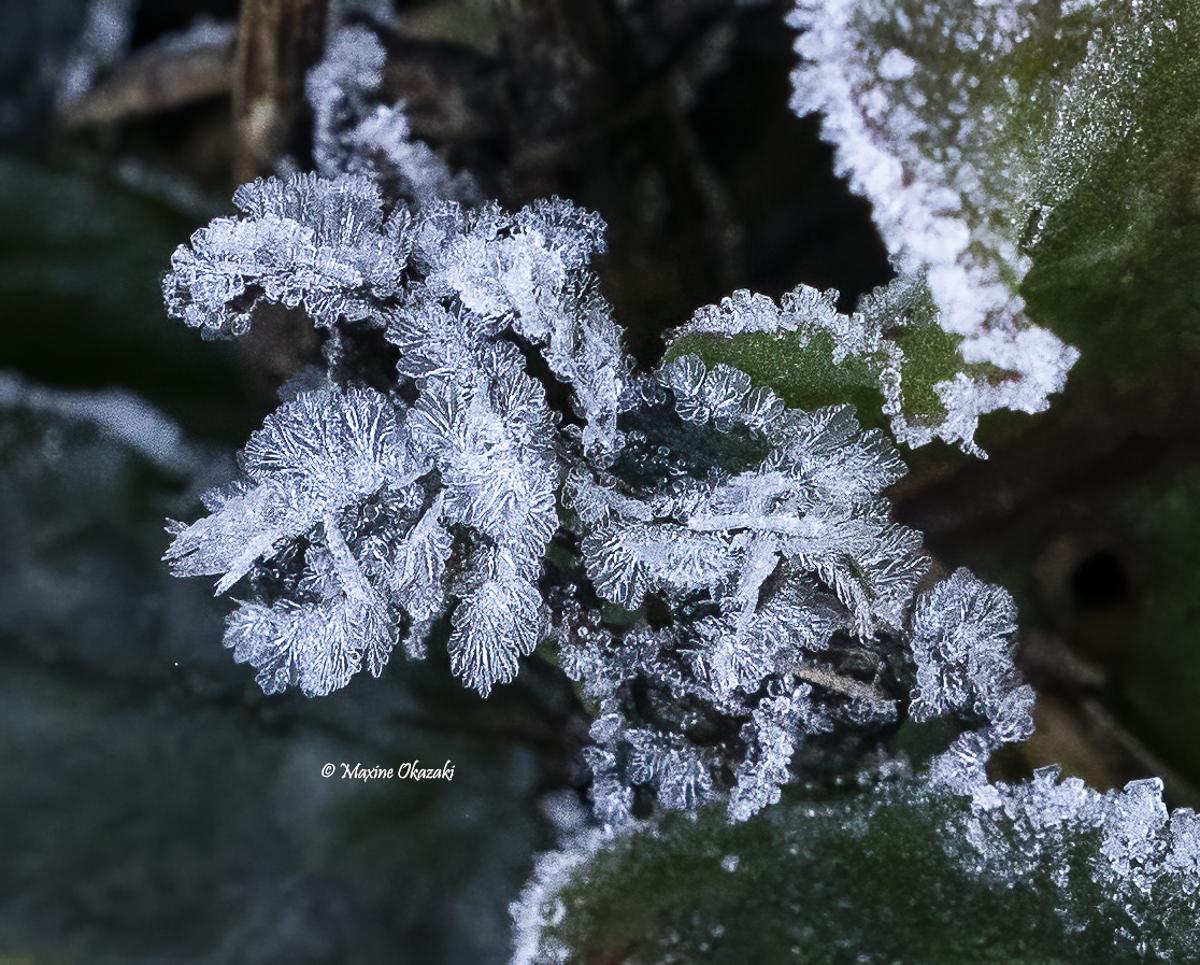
310 242
347 518
355 133
770 567
966 125
962 642
1141 862
874 336
718 571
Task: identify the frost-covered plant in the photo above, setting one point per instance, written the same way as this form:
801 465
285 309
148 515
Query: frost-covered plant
727 582
1142 861
716 570
759 535
355 500
885 344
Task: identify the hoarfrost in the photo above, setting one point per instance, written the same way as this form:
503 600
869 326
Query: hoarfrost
962 642
734 584
354 133
963 163
875 335
367 515
471 450
770 564
1141 864
309 242
539 904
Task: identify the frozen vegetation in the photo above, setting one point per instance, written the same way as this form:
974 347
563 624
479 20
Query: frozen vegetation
718 572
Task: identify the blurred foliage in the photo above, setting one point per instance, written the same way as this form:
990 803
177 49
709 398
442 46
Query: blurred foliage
154 806
81 260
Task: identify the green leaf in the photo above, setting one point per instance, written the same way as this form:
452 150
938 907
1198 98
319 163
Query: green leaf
866 878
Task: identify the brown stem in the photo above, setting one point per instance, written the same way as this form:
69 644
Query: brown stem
278 41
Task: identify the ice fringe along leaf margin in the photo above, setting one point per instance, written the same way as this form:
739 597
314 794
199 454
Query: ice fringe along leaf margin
968 126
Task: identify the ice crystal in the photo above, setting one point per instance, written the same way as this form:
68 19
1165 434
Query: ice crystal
487 272
355 133
346 519
367 515
964 151
875 336
962 642
726 582
308 469
1141 863
319 244
762 532
343 527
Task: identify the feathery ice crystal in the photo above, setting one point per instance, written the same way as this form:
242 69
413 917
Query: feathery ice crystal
355 500
725 581
717 571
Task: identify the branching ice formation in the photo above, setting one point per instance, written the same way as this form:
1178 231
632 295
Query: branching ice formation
761 533
355 133
717 571
355 499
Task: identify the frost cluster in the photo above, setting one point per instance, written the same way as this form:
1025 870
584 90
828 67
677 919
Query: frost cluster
718 572
767 589
365 516
725 581
354 132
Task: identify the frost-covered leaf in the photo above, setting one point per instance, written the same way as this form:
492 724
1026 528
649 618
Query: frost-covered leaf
891 356
1115 859
891 873
970 126
1014 110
